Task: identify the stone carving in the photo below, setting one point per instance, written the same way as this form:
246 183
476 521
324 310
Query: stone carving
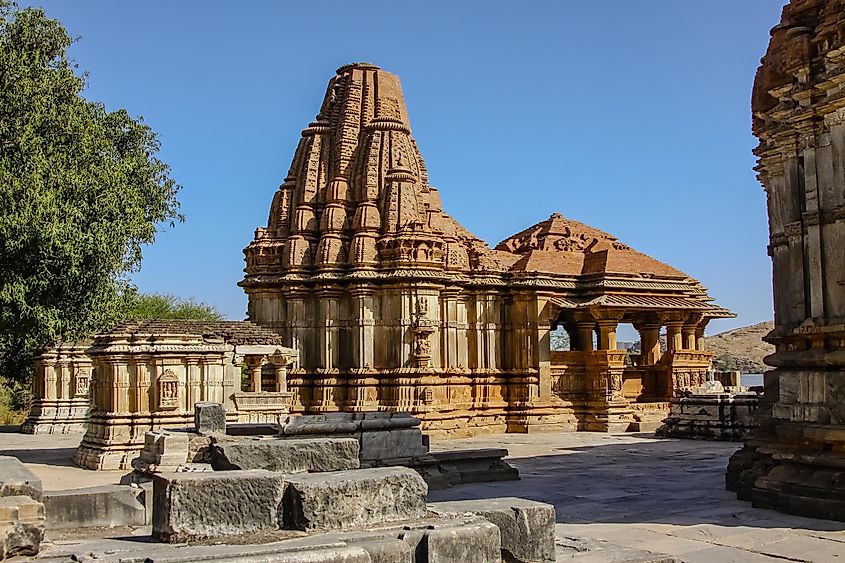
150 375
793 461
168 390
82 382
479 315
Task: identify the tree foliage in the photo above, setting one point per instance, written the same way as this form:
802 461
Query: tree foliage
164 306
81 191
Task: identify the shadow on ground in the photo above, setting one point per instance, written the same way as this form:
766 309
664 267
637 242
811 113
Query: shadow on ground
653 480
62 457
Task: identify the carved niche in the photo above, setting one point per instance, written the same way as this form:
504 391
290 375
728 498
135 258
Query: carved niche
168 390
81 384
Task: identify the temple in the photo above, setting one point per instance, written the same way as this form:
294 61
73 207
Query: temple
794 461
395 306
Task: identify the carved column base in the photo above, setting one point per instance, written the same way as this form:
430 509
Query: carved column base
795 460
613 418
536 418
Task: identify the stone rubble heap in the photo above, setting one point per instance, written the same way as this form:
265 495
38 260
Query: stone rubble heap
21 509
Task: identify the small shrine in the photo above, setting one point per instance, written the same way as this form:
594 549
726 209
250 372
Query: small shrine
149 375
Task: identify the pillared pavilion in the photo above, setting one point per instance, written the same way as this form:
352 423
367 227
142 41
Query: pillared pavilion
395 306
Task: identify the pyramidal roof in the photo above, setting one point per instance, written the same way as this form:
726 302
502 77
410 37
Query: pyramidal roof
357 197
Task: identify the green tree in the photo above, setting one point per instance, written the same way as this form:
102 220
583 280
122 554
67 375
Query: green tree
165 306
81 191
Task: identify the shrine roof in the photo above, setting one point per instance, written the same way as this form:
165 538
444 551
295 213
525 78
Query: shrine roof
233 332
562 246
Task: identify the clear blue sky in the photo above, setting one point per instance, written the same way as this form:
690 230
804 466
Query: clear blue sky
631 116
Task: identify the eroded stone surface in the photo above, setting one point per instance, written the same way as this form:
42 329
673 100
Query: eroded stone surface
287 456
215 504
361 497
794 461
21 526
104 506
527 527
17 480
209 418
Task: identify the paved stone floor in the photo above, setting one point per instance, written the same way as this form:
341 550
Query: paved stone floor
635 491
618 497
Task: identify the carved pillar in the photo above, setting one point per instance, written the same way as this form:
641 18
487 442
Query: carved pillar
584 327
649 344
363 326
674 338
254 365
607 333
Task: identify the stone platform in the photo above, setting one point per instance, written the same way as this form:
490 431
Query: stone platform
617 498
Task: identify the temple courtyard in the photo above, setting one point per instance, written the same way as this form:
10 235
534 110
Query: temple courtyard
628 497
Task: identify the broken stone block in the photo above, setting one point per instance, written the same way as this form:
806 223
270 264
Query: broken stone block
209 418
214 504
104 506
527 527
390 444
361 497
478 542
16 479
286 456
163 448
21 526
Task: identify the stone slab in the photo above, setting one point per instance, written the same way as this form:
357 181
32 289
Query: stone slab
361 497
527 527
209 418
215 504
286 456
387 444
16 479
106 506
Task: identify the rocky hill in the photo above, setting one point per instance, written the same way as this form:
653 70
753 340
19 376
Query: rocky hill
741 349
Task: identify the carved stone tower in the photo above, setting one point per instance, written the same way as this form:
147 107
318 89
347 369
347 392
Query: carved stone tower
795 462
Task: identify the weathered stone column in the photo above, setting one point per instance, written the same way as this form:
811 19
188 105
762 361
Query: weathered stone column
607 334
253 363
794 460
584 328
674 337
649 344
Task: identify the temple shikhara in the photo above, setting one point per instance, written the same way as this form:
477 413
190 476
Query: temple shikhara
395 306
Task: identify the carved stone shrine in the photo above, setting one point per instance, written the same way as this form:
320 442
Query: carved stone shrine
795 461
150 375
395 306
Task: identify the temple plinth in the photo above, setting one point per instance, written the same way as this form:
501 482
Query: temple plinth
395 306
795 461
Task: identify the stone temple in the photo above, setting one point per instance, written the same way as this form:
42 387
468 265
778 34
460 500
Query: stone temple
795 462
395 306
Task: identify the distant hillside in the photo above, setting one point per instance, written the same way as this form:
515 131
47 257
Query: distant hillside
741 349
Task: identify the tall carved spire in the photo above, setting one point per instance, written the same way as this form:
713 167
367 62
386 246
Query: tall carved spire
357 193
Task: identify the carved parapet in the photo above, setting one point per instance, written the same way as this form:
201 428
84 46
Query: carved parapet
263 401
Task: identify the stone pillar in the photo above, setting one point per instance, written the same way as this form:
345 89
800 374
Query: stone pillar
363 325
674 337
699 334
280 368
584 328
254 365
607 334
649 344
